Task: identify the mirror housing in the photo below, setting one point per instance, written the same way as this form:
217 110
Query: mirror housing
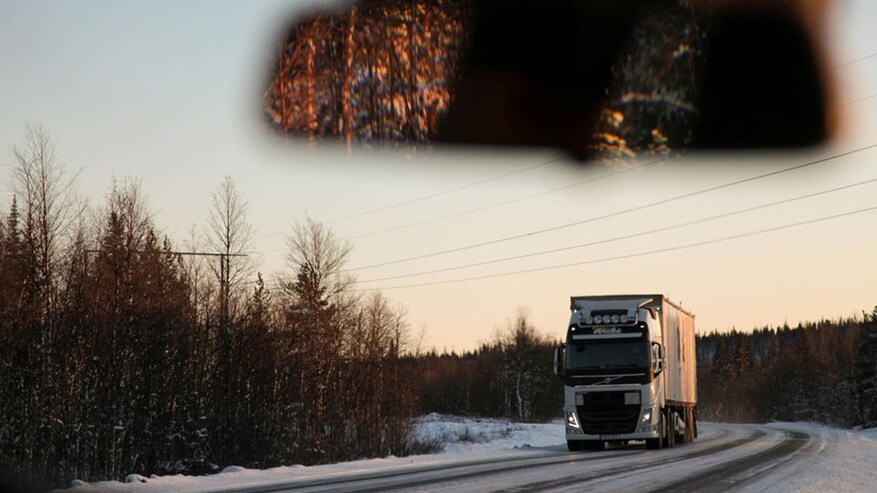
598 79
559 356
658 358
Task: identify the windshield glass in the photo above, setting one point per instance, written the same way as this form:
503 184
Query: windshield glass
608 355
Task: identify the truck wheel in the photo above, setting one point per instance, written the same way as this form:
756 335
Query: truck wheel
657 443
669 429
682 438
574 445
694 422
689 425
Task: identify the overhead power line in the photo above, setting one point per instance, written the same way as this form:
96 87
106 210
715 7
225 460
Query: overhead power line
190 254
632 255
432 195
510 201
857 60
615 214
627 237
519 199
858 100
446 192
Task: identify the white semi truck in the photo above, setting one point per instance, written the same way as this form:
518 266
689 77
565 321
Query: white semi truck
629 372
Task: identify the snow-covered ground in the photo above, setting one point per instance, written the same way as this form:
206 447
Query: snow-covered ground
468 435
846 463
843 460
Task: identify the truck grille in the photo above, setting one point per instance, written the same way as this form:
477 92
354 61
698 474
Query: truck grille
605 413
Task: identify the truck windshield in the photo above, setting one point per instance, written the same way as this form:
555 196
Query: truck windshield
608 355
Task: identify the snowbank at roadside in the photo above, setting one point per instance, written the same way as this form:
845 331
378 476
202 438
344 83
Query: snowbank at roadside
461 434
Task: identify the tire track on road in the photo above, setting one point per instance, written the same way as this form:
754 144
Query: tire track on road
731 475
503 465
627 470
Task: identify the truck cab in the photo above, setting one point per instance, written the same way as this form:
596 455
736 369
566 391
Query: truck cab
620 384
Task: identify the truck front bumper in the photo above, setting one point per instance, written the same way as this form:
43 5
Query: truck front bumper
640 434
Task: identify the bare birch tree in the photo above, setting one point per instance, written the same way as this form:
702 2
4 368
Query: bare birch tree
314 250
231 235
48 204
522 368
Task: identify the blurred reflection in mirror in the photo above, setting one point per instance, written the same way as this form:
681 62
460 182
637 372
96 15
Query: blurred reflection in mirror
603 80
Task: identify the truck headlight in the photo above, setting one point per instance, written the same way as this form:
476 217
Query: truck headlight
571 420
647 415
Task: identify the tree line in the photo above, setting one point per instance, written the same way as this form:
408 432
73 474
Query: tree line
121 352
824 372
509 376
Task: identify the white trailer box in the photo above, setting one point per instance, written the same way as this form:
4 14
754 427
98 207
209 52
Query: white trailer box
677 327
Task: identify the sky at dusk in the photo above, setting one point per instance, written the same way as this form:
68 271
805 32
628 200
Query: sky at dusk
170 93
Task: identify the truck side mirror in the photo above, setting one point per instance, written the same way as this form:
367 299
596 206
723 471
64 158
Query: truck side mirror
559 353
658 361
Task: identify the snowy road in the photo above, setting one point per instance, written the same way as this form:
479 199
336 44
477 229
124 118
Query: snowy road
496 455
725 457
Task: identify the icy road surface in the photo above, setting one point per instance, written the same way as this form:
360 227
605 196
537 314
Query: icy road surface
500 456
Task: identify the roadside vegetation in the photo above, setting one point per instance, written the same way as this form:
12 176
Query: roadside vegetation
509 377
823 372
122 352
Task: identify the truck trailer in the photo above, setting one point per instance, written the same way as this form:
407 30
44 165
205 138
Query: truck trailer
629 372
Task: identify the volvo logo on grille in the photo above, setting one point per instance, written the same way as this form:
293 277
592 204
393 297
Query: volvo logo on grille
607 330
607 380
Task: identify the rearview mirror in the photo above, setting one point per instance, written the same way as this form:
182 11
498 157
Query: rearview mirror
559 362
603 78
658 360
